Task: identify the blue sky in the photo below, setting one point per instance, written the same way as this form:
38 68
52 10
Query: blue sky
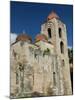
28 17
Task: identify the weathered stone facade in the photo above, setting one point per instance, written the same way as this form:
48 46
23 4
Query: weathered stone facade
42 68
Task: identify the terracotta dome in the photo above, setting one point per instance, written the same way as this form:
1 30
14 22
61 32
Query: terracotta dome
41 37
52 15
23 37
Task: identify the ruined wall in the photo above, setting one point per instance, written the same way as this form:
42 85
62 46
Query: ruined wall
33 71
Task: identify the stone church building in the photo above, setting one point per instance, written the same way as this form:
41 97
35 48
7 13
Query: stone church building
41 68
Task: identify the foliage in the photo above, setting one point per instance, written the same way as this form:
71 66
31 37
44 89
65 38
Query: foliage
70 54
46 52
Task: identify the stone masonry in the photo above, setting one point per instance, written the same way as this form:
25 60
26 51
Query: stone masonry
42 68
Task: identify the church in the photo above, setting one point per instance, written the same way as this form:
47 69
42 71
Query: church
41 68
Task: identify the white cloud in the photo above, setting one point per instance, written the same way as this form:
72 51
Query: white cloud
70 47
13 37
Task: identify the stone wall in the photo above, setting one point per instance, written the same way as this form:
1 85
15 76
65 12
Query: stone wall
36 71
54 25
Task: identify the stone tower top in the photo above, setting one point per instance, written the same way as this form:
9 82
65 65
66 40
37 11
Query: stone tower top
52 15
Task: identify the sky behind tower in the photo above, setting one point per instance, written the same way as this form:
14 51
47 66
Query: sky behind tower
28 17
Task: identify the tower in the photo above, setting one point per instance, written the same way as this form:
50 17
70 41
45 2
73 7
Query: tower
55 30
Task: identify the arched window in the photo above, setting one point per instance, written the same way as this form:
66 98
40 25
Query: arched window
54 79
61 47
60 32
49 32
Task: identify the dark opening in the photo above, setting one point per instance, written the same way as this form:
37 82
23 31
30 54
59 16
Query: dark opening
54 78
49 32
71 75
17 80
60 32
63 63
62 47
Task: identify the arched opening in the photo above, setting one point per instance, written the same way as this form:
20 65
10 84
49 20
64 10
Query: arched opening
62 47
60 32
49 32
54 79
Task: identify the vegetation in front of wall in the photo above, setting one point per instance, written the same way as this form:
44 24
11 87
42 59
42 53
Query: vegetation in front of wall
46 52
70 54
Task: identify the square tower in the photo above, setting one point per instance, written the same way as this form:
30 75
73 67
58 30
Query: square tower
55 30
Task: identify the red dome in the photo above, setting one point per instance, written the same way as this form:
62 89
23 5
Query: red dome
52 15
23 37
41 37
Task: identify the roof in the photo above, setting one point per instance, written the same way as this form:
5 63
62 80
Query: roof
41 37
23 37
52 15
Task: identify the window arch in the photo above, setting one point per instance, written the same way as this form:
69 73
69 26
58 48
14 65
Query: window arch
62 47
49 32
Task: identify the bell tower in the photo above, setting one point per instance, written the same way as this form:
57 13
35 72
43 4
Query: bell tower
55 30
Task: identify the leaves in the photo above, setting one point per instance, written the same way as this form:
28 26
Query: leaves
46 52
70 54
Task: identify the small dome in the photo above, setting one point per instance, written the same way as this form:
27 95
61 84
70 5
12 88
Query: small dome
23 37
52 15
40 37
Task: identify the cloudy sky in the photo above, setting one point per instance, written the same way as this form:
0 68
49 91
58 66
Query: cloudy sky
28 17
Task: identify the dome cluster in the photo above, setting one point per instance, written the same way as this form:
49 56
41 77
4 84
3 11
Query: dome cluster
39 37
25 37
